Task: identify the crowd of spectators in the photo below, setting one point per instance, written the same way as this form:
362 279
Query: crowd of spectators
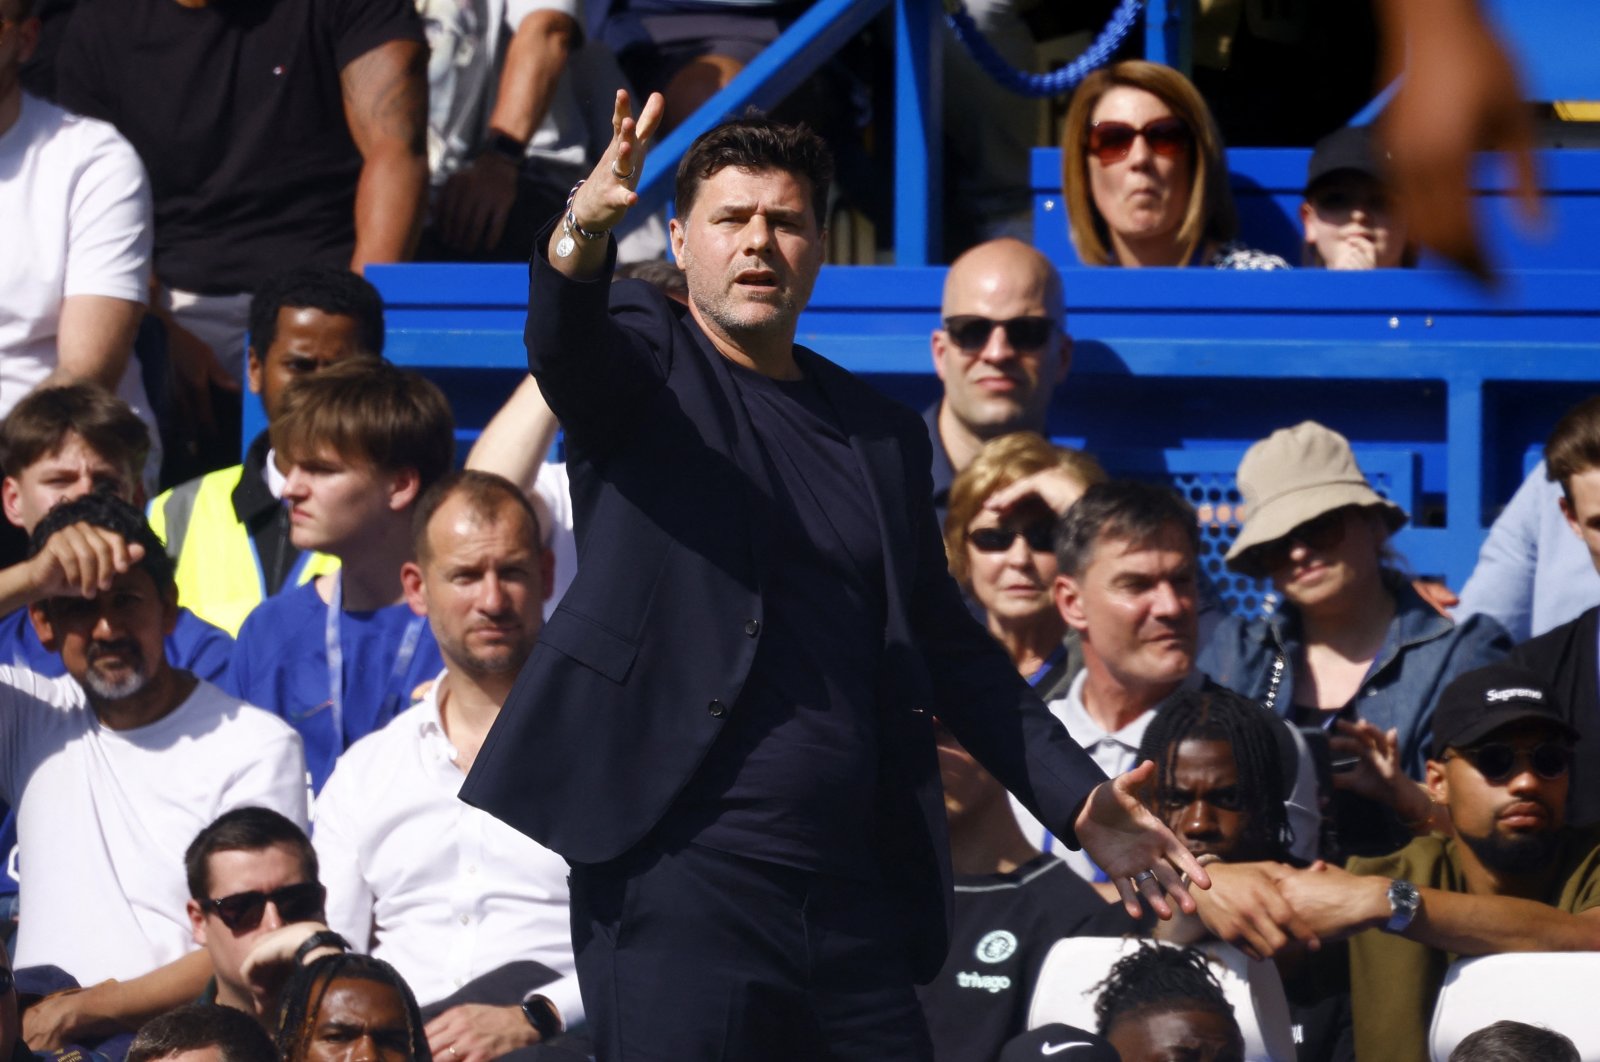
235 714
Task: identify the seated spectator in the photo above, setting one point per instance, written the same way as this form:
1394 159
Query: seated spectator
227 530
349 1006
202 1032
1144 176
1515 1041
326 168
1566 656
249 872
1127 559
113 770
464 906
340 655
1161 1001
1512 876
998 537
1352 639
1000 352
1047 1041
74 194
1349 220
60 443
1225 767
1011 904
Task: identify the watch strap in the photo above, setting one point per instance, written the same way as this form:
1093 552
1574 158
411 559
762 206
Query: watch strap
322 938
541 1014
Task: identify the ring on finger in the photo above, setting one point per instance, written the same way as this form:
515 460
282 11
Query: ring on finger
453 1052
1143 876
618 174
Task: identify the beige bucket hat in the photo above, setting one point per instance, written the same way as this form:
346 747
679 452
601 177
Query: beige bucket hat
1297 474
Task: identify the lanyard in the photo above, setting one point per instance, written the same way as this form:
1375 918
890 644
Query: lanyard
335 652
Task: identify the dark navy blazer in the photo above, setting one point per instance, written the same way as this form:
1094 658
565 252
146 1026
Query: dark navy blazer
643 661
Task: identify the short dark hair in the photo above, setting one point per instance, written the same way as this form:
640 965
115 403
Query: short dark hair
484 492
1257 738
1158 979
331 289
1121 509
1515 1041
102 509
368 410
1574 445
302 1000
237 1036
248 829
756 142
36 427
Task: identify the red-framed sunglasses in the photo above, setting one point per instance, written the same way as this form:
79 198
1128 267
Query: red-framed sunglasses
1110 142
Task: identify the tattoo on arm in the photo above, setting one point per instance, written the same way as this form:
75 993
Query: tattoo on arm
386 96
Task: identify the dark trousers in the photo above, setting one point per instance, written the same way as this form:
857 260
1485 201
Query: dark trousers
693 955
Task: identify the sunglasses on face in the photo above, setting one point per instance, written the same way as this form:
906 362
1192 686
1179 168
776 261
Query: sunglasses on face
242 911
1111 141
1498 762
1323 533
998 539
971 332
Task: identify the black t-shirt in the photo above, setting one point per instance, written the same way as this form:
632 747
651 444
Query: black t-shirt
1004 926
237 112
792 778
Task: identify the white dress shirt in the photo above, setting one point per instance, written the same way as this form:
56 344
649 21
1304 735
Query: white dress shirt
440 890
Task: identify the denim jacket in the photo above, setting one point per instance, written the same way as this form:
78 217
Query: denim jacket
1421 653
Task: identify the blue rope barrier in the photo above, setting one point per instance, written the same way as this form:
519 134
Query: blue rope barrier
1057 81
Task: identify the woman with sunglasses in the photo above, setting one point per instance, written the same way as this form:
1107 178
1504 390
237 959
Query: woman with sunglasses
1144 176
998 542
1351 649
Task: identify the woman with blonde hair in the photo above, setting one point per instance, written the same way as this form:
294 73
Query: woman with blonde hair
1144 176
998 538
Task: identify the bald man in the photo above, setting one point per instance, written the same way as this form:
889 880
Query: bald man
1002 350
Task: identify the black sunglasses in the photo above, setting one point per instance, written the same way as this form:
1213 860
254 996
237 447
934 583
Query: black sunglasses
1497 761
1321 533
242 911
1039 537
972 331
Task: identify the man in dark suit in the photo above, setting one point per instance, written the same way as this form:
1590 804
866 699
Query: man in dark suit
726 725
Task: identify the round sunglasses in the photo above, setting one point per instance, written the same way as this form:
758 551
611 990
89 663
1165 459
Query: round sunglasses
1498 762
1110 142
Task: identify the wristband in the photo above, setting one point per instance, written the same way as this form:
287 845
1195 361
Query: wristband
570 228
507 147
322 938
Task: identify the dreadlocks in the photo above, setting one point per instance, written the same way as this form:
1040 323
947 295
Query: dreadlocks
1158 979
302 1001
1212 713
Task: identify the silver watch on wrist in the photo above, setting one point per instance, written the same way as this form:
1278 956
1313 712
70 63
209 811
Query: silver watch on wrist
1405 900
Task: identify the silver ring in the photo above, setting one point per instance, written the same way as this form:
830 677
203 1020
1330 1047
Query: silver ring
453 1052
618 174
1143 876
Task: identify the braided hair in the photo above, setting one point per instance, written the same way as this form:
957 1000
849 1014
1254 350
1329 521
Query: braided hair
1257 739
1158 979
304 992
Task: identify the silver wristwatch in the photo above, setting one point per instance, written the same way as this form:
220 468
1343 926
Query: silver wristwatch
1404 902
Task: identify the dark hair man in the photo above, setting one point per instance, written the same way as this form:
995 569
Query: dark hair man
114 769
1515 1041
1566 655
249 872
1161 1000
1000 351
202 1032
472 913
762 622
228 530
340 655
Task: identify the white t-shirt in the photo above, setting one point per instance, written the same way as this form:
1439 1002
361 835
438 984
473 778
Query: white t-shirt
104 816
439 889
75 219
553 487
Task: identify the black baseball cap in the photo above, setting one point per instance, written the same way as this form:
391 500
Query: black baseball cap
1480 702
1064 1043
1350 148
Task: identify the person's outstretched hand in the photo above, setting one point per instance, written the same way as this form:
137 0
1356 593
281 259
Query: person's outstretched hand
606 194
1127 841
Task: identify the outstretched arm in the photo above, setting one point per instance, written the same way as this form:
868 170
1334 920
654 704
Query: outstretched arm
608 192
1139 854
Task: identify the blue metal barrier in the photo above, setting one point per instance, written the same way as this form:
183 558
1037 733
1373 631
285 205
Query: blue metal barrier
1425 365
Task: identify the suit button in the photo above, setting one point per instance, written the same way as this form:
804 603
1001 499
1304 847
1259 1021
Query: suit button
717 709
752 628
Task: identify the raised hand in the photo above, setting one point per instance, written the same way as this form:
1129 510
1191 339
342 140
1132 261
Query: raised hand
607 193
80 560
1136 850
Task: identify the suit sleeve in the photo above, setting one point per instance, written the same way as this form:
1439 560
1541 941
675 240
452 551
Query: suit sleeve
976 689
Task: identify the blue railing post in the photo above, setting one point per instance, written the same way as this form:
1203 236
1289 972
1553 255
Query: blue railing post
919 130
1166 33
